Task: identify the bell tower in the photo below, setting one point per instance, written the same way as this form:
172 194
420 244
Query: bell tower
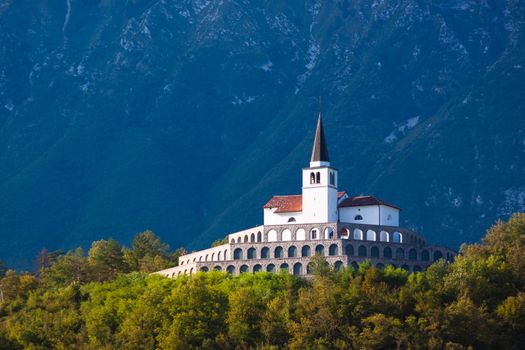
320 183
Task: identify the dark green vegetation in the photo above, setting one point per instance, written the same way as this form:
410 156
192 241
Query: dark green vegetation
90 303
184 117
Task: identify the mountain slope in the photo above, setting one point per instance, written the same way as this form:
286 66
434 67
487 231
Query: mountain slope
185 117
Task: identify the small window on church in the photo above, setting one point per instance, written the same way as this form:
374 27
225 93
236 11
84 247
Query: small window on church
358 217
389 217
292 219
312 178
332 179
318 178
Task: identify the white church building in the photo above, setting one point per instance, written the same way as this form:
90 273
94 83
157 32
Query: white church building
322 220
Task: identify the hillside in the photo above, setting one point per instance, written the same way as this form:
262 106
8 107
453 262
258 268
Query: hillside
184 117
105 300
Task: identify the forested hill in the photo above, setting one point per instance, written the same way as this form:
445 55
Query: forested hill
106 300
184 117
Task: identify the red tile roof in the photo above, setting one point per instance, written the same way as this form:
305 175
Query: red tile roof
290 203
285 204
359 201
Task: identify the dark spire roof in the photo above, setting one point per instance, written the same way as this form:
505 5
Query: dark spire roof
320 151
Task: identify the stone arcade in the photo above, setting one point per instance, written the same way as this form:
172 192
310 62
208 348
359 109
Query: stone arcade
345 230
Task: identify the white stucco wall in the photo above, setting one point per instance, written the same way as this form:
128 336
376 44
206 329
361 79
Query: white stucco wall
389 216
319 199
273 218
371 215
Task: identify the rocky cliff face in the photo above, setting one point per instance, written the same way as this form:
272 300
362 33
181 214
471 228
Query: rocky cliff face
185 116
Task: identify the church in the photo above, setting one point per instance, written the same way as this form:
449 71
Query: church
345 229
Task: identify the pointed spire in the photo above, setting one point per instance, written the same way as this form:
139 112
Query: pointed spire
320 151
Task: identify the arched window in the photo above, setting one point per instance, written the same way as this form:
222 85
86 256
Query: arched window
309 268
349 250
292 219
374 252
297 268
278 253
387 253
244 268
361 251
287 235
206 258
344 232
354 265
239 239
252 237
425 256
318 178
246 239
338 265
370 235
226 254
265 253
219 256
259 236
319 250
305 251
358 217
332 250
230 269
217 268
358 234
270 268
292 252
232 241
397 237
251 253
257 268
312 178
412 254
272 236
313 233
204 269
400 253
237 254
383 236
284 266
300 235
328 233
438 255
213 257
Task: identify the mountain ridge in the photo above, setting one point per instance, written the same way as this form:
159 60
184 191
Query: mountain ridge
185 117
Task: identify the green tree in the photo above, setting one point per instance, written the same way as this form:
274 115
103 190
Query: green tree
71 268
244 317
198 310
106 260
275 321
145 249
